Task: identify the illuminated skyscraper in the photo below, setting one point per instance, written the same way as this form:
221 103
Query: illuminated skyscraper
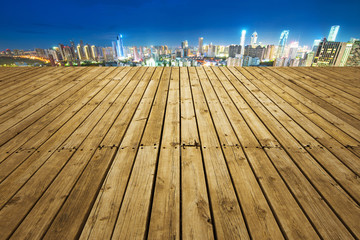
94 52
87 52
242 42
61 49
184 44
120 47
282 42
316 45
201 45
114 51
254 37
79 51
136 54
333 33
354 56
329 53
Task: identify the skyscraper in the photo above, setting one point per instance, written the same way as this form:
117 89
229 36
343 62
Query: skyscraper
316 45
329 53
136 54
354 56
94 52
234 50
87 51
282 42
184 44
254 37
242 42
333 33
201 45
114 50
120 47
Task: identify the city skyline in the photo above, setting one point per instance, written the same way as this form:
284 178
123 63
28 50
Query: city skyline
145 23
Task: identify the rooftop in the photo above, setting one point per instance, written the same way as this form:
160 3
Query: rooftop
179 153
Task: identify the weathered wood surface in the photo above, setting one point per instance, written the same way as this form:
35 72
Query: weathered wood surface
179 153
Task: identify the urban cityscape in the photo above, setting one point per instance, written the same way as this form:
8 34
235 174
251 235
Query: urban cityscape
323 52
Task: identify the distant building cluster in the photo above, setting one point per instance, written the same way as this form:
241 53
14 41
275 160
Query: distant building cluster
323 52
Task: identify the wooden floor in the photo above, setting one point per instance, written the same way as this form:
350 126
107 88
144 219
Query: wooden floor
179 153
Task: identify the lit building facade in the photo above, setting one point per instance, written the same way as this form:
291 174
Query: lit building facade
254 37
282 43
333 33
328 53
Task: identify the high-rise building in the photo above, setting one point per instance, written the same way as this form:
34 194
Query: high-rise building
82 52
136 54
254 37
282 42
354 56
94 52
242 42
114 51
315 45
293 50
309 59
234 50
255 52
61 50
211 50
87 52
328 53
201 40
184 44
120 47
333 33
345 55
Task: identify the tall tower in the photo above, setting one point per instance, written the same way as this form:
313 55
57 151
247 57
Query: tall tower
184 44
242 42
282 42
254 37
120 47
333 32
201 40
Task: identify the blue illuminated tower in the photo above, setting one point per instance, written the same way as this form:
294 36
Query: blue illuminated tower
282 42
333 33
120 47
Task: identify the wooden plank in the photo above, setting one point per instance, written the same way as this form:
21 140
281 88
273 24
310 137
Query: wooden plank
9 97
259 217
304 192
49 122
332 82
165 210
228 220
305 131
38 103
10 162
104 212
132 222
314 172
196 218
335 97
322 103
320 120
20 97
21 77
35 159
37 221
17 128
313 104
28 195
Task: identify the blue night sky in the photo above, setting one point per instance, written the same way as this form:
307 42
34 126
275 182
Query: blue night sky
27 24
